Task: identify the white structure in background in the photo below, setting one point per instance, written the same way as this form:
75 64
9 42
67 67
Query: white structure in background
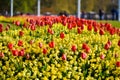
118 10
79 9
11 7
38 8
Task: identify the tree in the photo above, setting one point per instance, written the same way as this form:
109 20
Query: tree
87 5
60 5
25 6
4 6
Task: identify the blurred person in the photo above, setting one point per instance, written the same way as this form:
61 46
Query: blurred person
82 14
101 14
113 12
63 13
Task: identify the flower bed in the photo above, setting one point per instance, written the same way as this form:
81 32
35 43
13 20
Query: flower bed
59 48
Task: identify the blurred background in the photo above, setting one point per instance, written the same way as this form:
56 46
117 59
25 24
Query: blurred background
90 9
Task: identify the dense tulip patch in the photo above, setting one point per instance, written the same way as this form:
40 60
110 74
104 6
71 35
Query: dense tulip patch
59 47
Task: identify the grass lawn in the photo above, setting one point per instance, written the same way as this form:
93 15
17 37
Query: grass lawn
114 23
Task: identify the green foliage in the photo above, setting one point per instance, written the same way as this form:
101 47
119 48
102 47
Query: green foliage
4 5
114 23
25 6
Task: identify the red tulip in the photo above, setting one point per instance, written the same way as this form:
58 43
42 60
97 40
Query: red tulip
32 21
15 52
116 55
7 28
108 26
21 33
64 57
118 31
119 43
42 23
44 51
27 56
74 48
40 45
118 63
94 24
112 31
20 43
25 25
102 56
64 23
52 44
89 27
95 29
102 25
50 23
21 52
62 35
109 42
32 27
10 45
84 46
107 46
101 32
31 42
69 26
82 27
79 23
79 30
1 25
74 24
50 31
38 22
1 54
83 55
1 28
17 23
89 22
87 50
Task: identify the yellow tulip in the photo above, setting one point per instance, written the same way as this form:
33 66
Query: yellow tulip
64 78
59 75
45 78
